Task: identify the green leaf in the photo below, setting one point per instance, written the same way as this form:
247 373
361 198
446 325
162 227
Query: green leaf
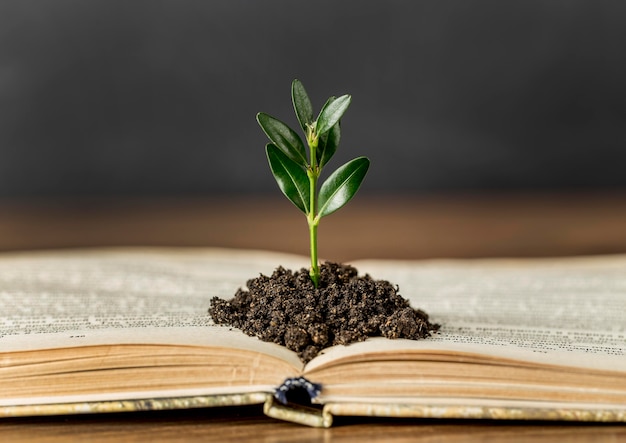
285 138
301 104
332 111
290 176
328 144
341 186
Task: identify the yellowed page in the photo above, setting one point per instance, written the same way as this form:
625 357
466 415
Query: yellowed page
565 311
85 298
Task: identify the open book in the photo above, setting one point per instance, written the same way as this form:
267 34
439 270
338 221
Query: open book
110 330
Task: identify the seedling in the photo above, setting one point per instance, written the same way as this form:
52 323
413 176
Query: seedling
297 175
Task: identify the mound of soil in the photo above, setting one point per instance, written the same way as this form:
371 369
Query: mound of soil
287 309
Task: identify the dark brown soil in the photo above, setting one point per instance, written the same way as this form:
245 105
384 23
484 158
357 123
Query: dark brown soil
287 309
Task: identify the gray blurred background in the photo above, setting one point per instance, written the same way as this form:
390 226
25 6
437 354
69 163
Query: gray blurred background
123 97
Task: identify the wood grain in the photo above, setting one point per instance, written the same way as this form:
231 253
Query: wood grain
412 227
247 424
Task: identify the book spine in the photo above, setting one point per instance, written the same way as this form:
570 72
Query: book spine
294 413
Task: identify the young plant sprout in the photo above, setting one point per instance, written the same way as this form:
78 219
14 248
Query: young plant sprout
287 307
297 175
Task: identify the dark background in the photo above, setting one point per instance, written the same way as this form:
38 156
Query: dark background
111 97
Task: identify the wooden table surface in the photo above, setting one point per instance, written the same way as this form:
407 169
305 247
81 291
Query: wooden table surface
410 227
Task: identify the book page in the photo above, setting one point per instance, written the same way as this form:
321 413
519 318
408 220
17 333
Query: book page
108 296
569 311
556 311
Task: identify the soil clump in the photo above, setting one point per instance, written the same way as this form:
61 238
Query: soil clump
286 308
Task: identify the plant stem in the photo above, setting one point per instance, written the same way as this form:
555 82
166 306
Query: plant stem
313 222
315 271
313 173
